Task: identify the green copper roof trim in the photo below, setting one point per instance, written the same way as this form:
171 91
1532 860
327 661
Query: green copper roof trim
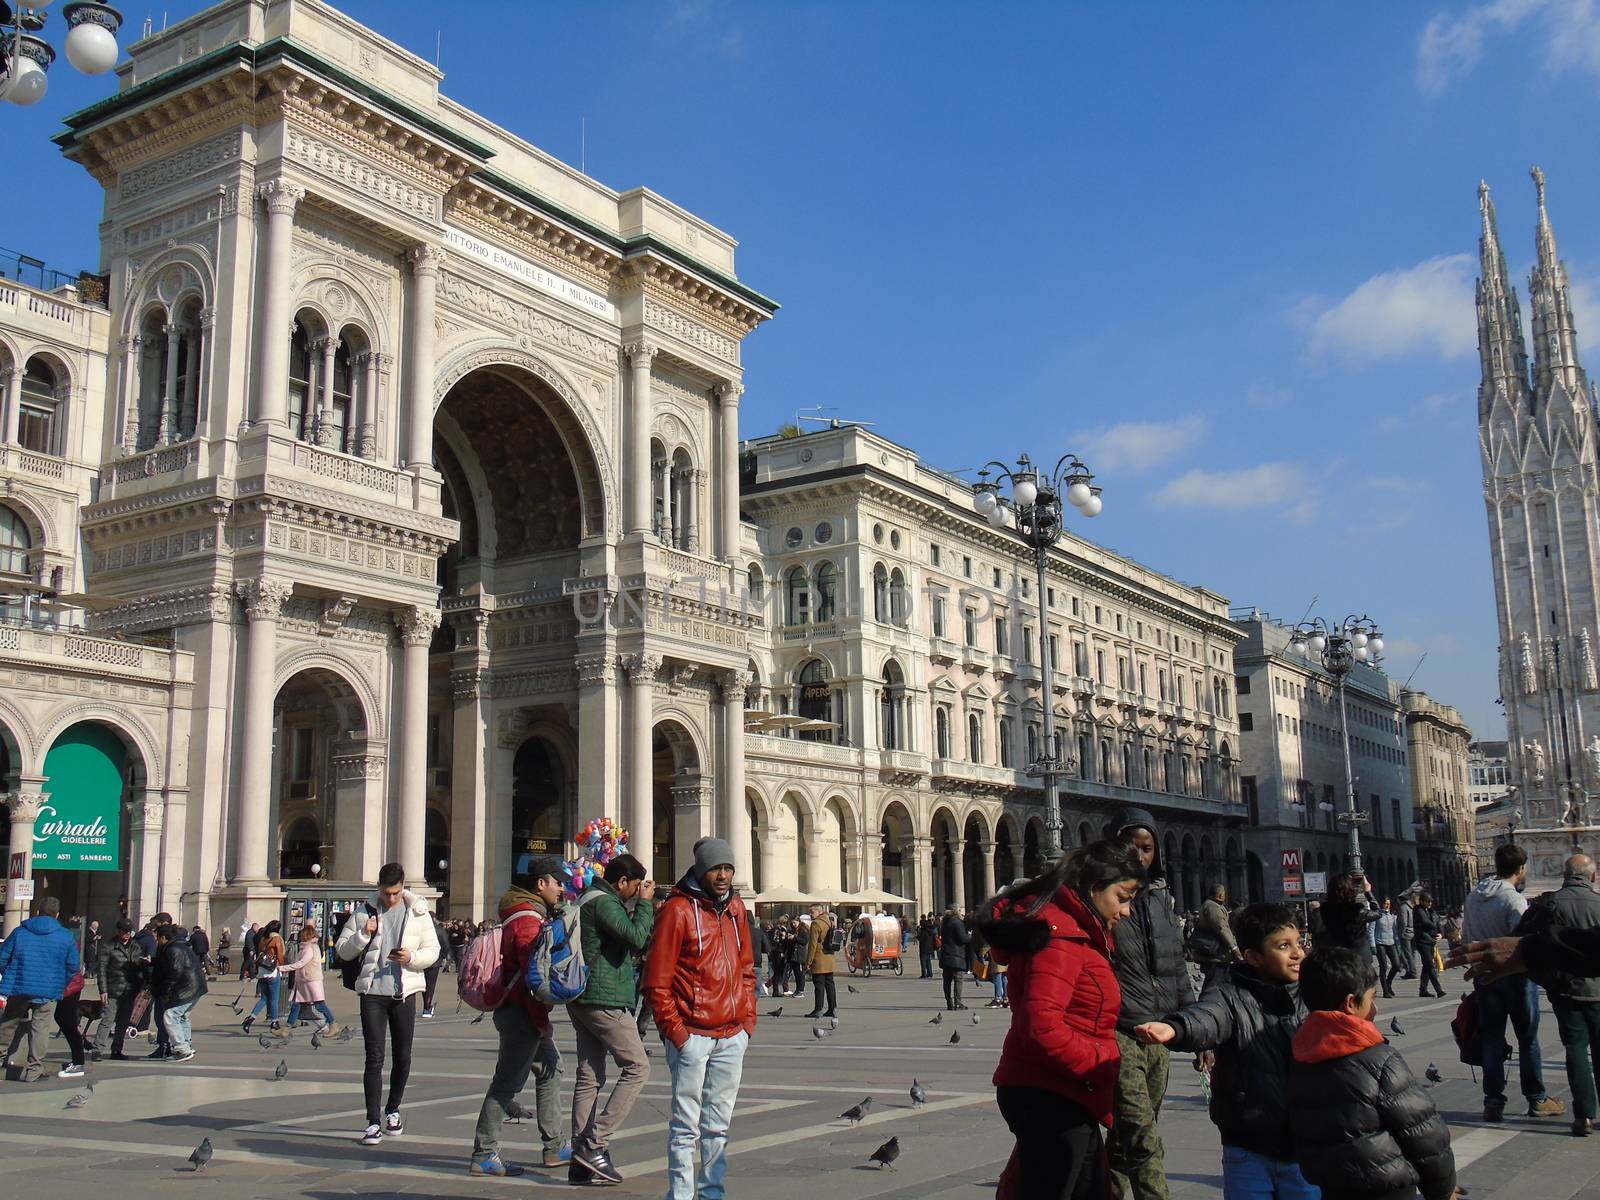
258 57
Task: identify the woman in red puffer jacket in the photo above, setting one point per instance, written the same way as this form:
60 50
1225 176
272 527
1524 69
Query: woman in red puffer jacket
1058 1071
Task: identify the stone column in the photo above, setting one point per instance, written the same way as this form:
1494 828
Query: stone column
323 434
272 402
641 669
128 428
206 341
987 849
189 402
728 393
24 806
425 263
599 726
366 427
13 382
691 820
734 684
167 430
263 601
416 625
642 417
958 861
144 858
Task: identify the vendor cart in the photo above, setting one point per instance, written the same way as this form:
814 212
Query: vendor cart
874 944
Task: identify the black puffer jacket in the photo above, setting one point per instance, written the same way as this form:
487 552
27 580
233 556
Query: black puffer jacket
953 939
1250 1022
122 968
1347 924
177 977
1149 943
1363 1128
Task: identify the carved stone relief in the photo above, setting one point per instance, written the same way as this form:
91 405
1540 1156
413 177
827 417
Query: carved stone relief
180 167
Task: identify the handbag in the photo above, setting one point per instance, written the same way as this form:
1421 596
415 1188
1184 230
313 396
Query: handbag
74 986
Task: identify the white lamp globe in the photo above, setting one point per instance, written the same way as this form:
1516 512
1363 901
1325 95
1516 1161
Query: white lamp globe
92 48
316 868
996 516
1318 643
1375 645
1078 494
984 502
1024 492
444 864
28 82
1359 654
1358 639
1092 506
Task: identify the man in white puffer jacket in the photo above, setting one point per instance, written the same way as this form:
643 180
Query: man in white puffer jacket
394 943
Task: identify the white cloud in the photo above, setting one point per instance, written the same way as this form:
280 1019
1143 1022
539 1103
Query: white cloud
1140 445
1280 485
1454 43
1425 307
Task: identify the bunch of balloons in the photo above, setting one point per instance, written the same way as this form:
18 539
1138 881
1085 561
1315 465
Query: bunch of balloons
601 840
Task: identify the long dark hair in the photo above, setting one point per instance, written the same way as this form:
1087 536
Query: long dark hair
1085 870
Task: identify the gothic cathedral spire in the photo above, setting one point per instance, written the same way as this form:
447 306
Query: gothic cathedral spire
1500 345
1555 337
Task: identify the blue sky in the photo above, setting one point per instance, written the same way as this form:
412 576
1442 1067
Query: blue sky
1225 252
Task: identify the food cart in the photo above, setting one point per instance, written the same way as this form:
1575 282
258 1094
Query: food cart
874 943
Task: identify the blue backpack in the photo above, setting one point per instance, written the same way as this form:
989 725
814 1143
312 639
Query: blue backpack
556 971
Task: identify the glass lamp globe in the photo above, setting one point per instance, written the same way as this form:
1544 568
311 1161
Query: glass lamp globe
316 868
444 864
997 517
1024 492
1375 645
28 82
1358 639
1318 643
1092 506
92 48
984 502
1359 654
1078 494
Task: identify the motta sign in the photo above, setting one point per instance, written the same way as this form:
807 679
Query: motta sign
74 841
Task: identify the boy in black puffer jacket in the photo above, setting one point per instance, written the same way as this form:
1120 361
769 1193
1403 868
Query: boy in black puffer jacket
1363 1128
1249 1016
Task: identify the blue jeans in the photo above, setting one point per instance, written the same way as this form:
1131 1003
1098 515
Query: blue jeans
320 1006
1247 1175
1000 992
175 1018
1517 999
705 1083
268 993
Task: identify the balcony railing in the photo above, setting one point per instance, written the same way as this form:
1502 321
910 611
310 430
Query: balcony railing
31 462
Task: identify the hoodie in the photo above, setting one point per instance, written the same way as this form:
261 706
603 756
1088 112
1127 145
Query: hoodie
38 960
1362 1126
1493 909
700 973
522 918
1149 956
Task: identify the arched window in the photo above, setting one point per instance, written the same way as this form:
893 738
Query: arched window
37 420
880 593
827 591
1149 775
1085 764
302 376
1166 770
1127 765
891 708
1002 738
797 597
1033 743
1183 772
14 543
814 696
660 490
899 598
974 738
683 516
941 732
337 433
758 583
1105 761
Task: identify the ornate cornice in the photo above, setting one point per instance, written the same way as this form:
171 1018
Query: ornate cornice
112 152
534 235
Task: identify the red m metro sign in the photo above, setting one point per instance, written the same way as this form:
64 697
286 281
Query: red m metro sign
1293 881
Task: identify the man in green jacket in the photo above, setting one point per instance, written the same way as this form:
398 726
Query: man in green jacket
618 914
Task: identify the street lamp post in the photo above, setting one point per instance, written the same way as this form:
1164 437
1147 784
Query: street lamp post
25 57
1034 511
1339 648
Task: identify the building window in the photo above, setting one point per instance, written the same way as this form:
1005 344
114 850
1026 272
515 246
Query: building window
997 578
301 402
941 731
1394 809
1100 665
1377 817
974 738
1097 619
969 625
36 420
880 593
15 543
892 713
966 565
1055 653
797 597
827 591
757 582
1002 637
1003 740
1033 743
1085 762
794 537
1050 597
1247 722
933 554
1123 681
899 598
1105 761
1074 606
815 700
938 616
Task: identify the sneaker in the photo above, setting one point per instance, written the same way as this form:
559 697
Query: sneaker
159 1054
578 1175
119 1056
1494 1115
427 1015
492 1164
185 1056
394 1124
599 1164
70 1071
248 1021
95 1056
556 1158
373 1136
1548 1107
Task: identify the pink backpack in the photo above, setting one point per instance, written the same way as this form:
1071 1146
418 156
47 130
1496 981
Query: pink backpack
481 979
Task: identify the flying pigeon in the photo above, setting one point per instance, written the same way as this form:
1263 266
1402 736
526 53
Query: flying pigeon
1394 1026
919 1095
851 988
974 1018
316 1038
818 1032
81 1099
777 1012
478 1019
937 1017
201 1154
856 1112
1433 1074
281 1071
885 1154
955 1037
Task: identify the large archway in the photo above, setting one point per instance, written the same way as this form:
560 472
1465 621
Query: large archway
946 860
539 801
676 800
974 837
899 869
320 723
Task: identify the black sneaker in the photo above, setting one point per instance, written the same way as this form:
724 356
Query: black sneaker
159 1054
599 1164
579 1175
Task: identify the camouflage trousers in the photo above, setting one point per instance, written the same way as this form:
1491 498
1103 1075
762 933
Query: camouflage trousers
1134 1146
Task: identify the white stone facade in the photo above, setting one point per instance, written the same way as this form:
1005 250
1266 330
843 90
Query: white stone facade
1438 741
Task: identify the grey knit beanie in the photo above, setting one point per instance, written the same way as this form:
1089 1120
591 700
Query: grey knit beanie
711 852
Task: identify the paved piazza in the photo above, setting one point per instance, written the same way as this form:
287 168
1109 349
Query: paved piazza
298 1138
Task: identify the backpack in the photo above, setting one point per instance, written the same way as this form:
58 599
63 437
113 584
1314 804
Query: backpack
350 968
1465 1027
481 978
833 942
1541 916
556 970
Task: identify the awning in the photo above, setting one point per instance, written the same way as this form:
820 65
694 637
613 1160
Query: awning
879 897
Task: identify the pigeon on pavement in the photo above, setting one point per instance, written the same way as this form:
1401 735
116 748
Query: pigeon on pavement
856 1112
851 988
316 1038
955 1038
349 1031
1433 1074
1394 1026
818 1032
201 1154
885 1154
919 1095
281 1071
833 1022
937 1017
974 1018
81 1099
777 1012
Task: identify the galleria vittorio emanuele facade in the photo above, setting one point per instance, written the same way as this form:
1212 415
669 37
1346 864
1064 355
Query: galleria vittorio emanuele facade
392 503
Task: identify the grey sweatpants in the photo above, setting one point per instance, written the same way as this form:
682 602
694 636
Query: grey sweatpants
519 1040
603 1031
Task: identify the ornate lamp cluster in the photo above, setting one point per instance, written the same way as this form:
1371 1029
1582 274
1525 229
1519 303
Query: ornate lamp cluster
1035 510
25 57
1339 648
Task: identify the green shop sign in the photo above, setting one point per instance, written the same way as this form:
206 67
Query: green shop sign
79 827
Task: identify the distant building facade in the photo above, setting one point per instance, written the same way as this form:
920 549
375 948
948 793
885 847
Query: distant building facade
1438 742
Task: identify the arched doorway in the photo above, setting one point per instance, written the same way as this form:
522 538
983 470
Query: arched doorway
788 854
436 850
946 860
1032 859
974 836
319 724
1005 852
899 872
300 850
837 845
676 800
539 802
83 851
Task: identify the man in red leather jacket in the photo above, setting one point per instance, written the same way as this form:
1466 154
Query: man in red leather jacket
700 982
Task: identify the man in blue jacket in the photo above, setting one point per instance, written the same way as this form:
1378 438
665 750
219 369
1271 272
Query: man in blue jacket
37 962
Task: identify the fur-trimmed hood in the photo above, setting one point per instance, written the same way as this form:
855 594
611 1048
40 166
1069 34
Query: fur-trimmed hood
1009 929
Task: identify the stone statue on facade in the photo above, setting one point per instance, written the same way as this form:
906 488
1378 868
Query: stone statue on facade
1586 667
1533 753
1530 678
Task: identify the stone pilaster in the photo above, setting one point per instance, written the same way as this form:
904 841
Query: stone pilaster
263 601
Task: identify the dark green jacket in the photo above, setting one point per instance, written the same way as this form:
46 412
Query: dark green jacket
613 942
